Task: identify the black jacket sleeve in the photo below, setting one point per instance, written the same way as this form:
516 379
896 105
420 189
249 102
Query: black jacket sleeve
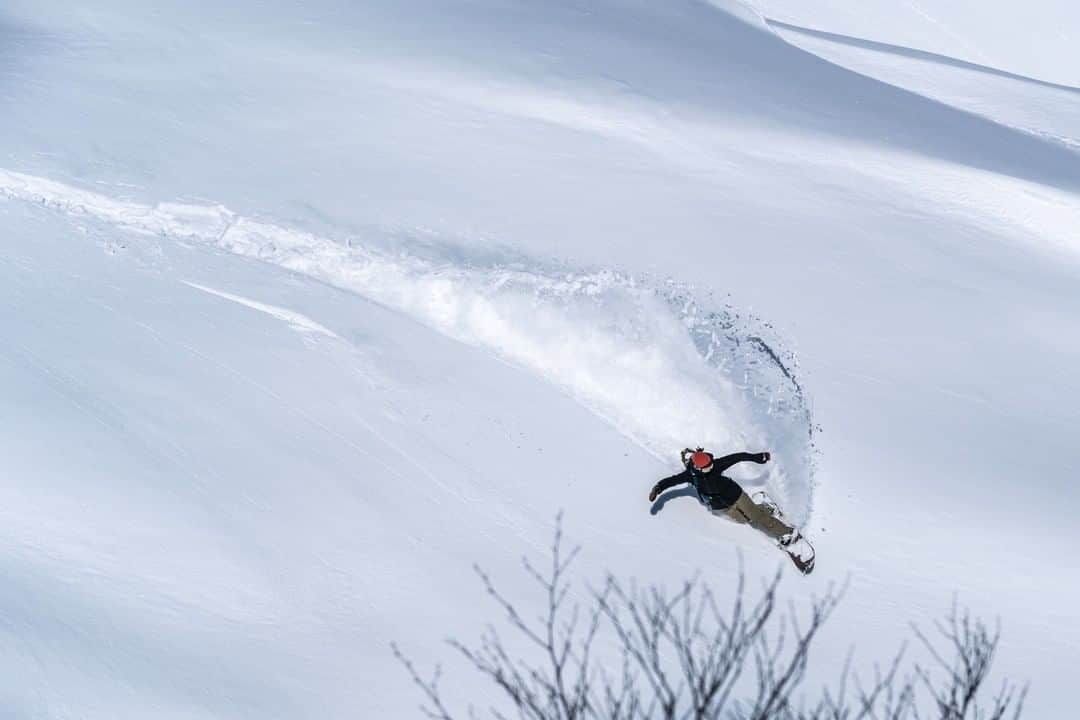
723 463
669 482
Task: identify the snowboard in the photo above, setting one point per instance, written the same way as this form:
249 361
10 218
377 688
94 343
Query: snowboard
799 550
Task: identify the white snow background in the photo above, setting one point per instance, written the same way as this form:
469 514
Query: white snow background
309 306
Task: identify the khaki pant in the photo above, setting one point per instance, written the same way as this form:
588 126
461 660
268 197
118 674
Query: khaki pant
758 516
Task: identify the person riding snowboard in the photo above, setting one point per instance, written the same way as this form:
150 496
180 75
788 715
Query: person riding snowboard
724 496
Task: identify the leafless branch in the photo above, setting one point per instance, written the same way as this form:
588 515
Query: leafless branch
626 652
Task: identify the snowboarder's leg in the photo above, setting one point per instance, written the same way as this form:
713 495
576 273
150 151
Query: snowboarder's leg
787 538
762 498
732 514
759 518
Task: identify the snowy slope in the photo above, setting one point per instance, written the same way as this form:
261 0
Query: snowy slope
308 306
265 481
1047 110
690 370
1036 39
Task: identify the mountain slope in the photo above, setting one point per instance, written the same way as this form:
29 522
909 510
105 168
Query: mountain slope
309 306
211 511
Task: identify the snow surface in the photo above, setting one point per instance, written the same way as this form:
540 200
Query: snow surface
1036 38
309 306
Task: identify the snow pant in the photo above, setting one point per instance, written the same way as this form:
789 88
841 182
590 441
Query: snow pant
745 511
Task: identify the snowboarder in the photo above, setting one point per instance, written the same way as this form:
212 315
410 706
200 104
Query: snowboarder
723 496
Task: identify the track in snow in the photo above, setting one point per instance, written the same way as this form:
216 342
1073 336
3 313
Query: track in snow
646 355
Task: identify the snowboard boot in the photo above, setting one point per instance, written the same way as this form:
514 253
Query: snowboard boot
799 550
762 498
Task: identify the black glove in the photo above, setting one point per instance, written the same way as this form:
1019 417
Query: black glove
765 457
653 493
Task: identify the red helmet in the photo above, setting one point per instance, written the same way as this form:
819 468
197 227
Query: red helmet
702 461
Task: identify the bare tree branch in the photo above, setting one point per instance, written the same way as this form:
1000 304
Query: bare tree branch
633 653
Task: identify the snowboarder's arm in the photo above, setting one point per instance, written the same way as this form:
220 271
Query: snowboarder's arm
669 482
723 463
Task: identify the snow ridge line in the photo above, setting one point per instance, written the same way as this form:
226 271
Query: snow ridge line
646 356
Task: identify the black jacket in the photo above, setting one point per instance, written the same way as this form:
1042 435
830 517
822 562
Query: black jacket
714 489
